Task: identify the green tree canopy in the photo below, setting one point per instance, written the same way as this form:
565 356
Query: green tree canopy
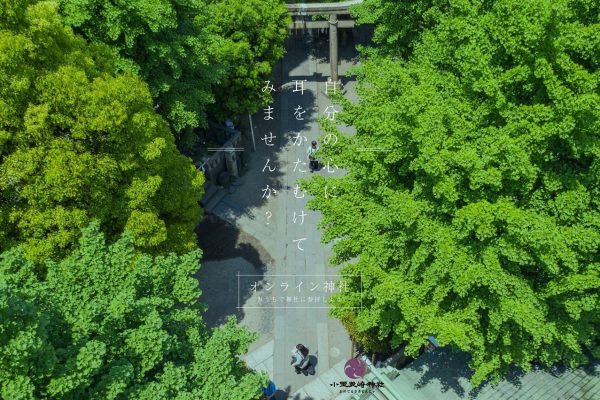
109 323
253 33
78 142
479 222
399 24
190 52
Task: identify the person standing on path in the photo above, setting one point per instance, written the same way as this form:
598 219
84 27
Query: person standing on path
313 162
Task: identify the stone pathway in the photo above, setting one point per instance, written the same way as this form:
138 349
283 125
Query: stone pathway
270 221
319 388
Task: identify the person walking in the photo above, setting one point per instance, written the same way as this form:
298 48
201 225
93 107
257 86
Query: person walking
313 162
300 359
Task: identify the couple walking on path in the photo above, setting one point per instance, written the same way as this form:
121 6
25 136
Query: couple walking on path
300 359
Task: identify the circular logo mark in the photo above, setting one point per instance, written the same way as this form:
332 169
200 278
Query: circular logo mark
334 352
355 368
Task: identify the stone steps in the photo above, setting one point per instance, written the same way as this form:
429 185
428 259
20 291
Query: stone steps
214 201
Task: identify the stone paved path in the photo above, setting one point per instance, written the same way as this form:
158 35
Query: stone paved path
293 323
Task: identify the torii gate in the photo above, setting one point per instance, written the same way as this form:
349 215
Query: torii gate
333 9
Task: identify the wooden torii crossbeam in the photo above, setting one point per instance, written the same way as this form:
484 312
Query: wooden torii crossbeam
333 9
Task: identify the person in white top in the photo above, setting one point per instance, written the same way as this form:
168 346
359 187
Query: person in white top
313 162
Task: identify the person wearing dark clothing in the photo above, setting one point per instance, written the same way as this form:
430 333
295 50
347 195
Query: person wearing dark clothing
312 161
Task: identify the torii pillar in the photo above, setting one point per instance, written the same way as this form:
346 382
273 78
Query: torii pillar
333 46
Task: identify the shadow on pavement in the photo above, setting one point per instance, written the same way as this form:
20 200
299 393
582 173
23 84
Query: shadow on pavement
285 395
445 366
450 369
282 394
227 252
311 369
220 240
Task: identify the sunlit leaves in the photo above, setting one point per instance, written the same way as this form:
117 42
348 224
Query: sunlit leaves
109 323
81 143
478 222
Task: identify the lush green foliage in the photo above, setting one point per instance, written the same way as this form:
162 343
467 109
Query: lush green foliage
253 32
481 225
399 24
79 143
190 52
109 323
